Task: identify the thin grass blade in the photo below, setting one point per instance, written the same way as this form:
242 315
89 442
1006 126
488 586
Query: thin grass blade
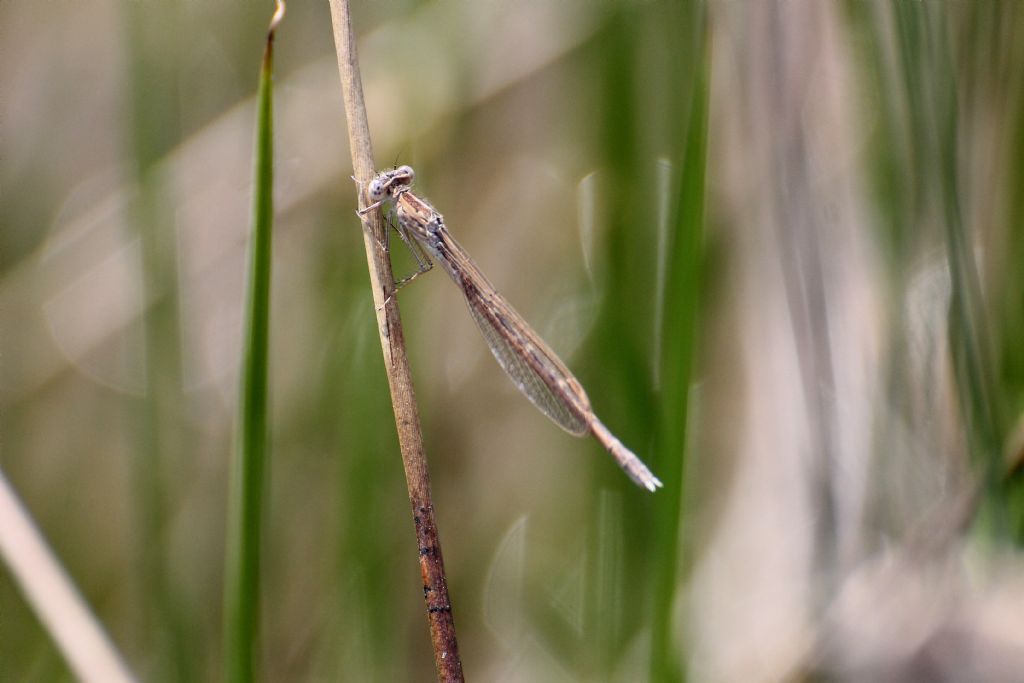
242 572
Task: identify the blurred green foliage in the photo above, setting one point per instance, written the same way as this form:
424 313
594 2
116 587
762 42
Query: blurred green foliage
571 147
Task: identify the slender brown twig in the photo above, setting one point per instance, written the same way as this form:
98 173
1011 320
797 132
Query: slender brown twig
396 362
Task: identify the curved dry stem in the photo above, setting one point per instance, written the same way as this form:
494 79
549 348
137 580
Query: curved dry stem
275 20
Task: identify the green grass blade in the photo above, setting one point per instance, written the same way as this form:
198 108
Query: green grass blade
928 67
1009 306
157 431
242 572
679 334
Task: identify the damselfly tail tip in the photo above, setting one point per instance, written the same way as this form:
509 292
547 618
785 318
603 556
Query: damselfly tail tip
639 473
631 465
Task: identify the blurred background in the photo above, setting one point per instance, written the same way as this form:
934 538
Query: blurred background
778 242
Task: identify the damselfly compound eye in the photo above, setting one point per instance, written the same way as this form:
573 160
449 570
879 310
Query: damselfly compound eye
406 173
378 189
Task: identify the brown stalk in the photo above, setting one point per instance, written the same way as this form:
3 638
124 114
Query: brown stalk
396 362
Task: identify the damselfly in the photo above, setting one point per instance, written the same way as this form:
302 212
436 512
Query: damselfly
531 365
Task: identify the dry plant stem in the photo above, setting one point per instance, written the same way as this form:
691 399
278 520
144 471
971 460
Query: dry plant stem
396 362
52 595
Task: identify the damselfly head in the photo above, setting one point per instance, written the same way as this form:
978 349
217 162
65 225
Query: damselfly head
390 183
